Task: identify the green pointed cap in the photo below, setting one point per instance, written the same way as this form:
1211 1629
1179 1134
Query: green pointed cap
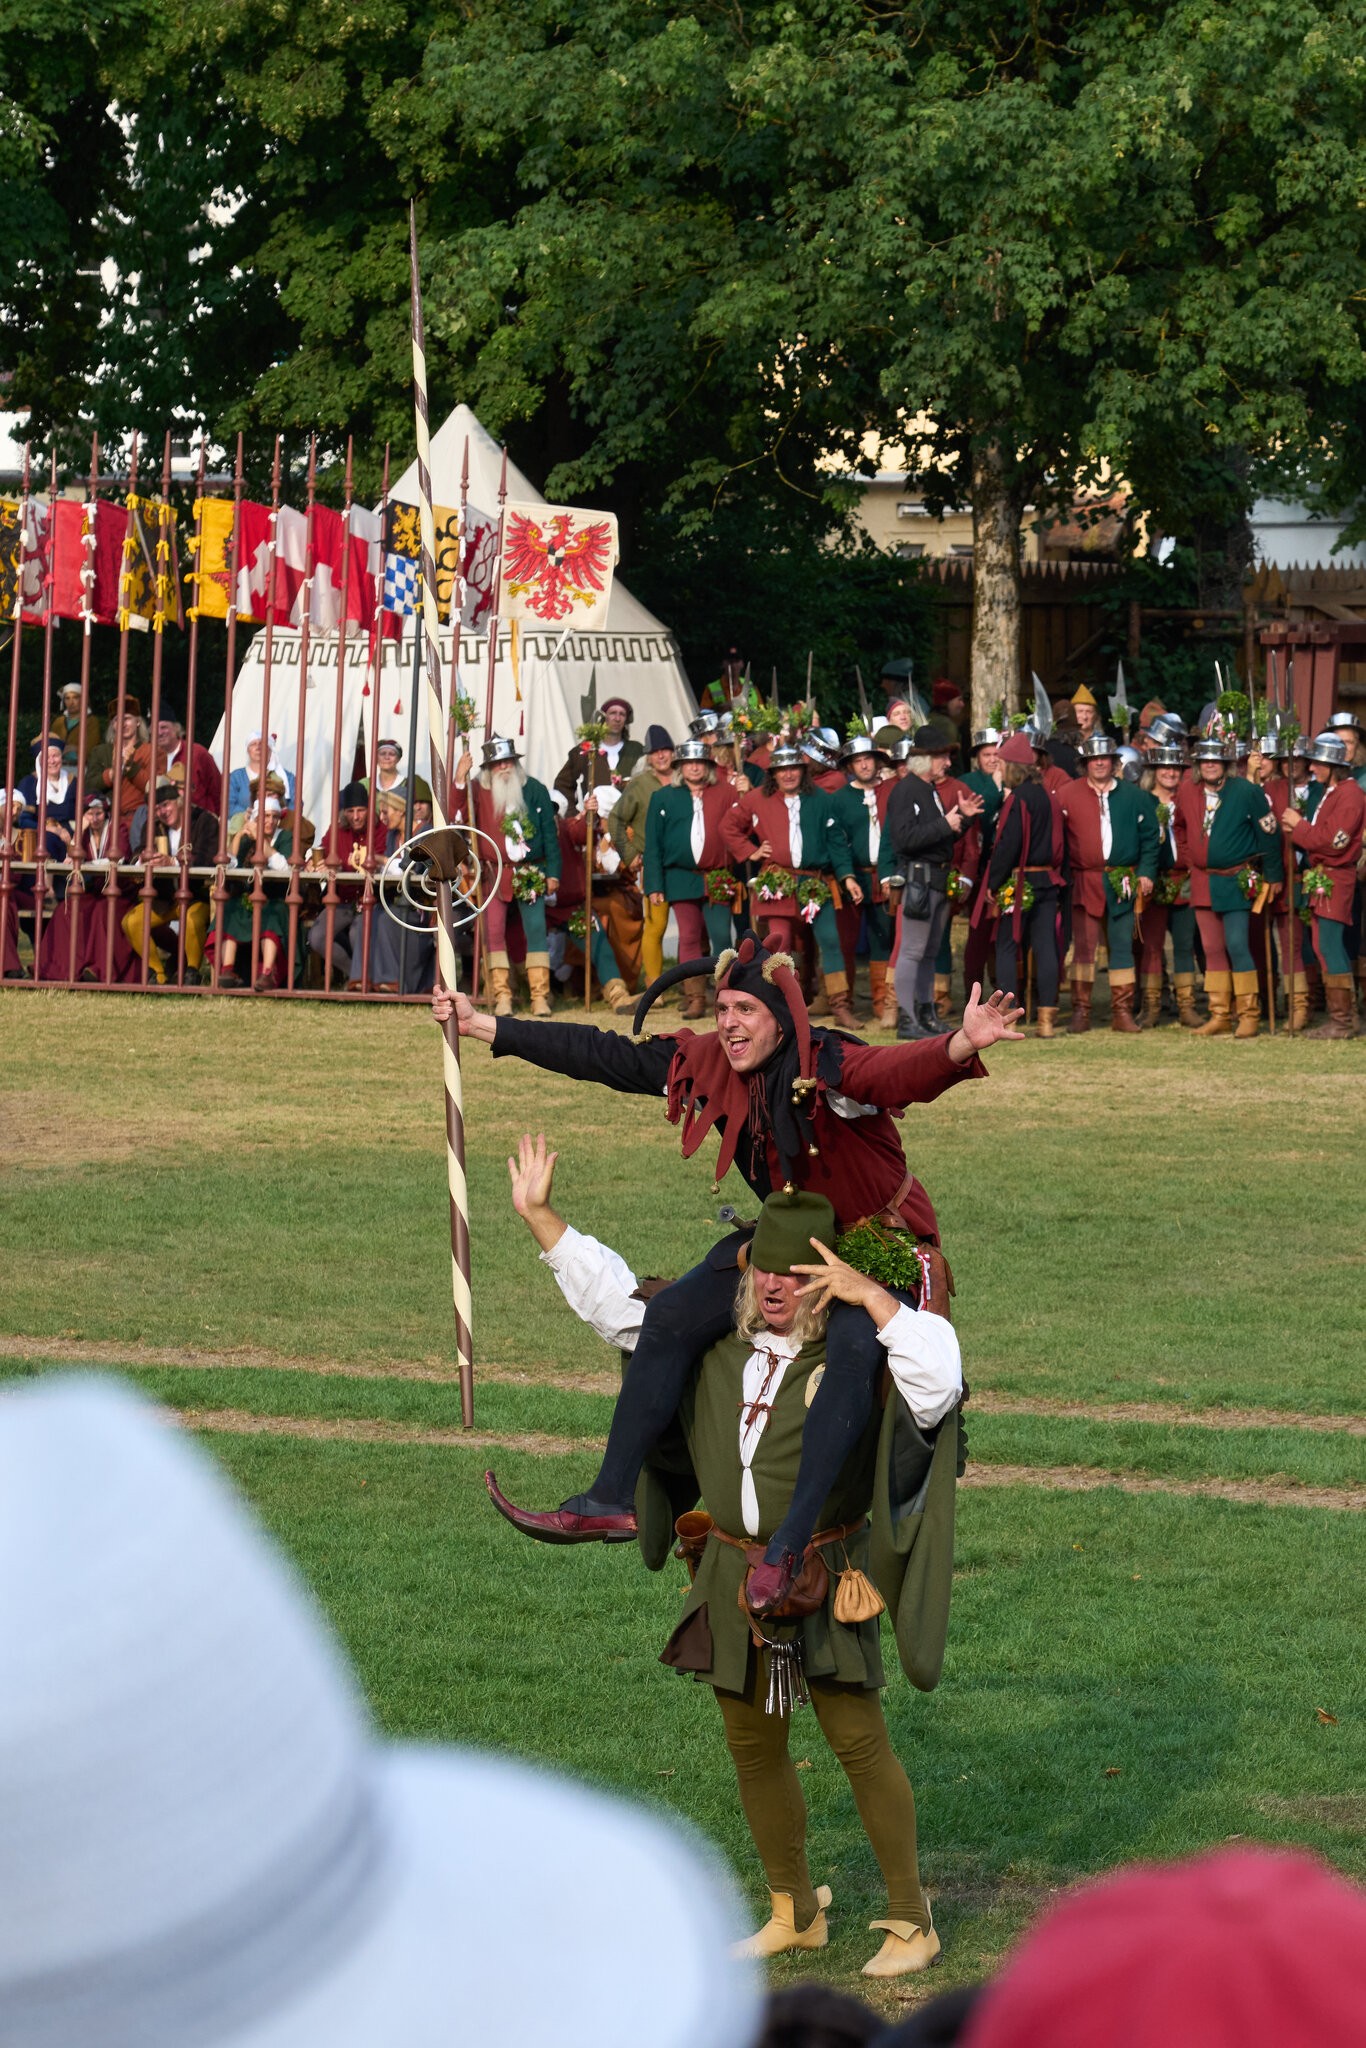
787 1224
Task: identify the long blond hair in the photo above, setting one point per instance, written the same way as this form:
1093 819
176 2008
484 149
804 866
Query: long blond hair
749 1318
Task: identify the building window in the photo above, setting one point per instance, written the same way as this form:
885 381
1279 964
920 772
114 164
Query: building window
911 508
909 549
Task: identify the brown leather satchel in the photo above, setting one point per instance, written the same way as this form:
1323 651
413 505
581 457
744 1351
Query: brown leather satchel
809 1588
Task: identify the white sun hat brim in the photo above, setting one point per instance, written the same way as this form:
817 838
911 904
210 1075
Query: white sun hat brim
203 1844
526 1908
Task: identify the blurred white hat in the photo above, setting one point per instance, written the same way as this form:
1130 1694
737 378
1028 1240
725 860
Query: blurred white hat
202 1842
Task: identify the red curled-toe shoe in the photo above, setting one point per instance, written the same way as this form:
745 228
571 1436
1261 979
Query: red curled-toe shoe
566 1524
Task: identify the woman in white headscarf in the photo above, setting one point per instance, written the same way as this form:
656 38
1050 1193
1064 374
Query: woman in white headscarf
241 779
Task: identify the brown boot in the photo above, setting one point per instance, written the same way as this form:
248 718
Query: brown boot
1248 1004
1219 989
1152 1002
877 987
538 981
886 1014
818 1003
1297 1006
1340 994
1047 1024
943 994
500 978
1122 994
1081 1006
695 997
618 997
841 1010
1183 986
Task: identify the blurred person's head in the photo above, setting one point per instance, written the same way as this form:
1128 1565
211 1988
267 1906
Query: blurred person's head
353 806
899 713
48 755
1085 711
1240 1948
929 745
947 701
170 732
659 750
170 801
816 2016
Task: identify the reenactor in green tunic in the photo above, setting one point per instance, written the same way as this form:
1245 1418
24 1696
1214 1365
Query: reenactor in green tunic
861 810
1232 841
739 1447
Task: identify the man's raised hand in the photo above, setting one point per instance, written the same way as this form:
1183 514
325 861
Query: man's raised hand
984 1024
532 1174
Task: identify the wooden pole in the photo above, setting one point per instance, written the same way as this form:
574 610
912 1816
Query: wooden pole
147 892
7 834
234 567
367 902
497 599
120 706
75 888
296 837
331 899
182 891
40 758
457 1184
258 857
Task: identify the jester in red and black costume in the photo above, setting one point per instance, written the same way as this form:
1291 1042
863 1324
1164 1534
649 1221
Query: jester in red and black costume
791 1105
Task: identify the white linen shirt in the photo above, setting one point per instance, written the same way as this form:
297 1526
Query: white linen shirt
794 829
922 1349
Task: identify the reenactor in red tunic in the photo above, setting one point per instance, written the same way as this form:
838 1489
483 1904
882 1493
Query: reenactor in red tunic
1331 841
1112 848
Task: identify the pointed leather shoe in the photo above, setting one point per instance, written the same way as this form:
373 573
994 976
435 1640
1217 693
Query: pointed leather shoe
607 1524
905 1949
782 1932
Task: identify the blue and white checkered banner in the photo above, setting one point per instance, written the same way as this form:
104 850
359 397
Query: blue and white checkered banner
400 584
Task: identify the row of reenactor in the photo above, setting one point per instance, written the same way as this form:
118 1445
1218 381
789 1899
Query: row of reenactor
831 848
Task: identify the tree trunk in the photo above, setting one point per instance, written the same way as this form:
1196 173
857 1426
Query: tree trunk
997 508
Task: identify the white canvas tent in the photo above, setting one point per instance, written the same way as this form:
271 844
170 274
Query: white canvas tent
632 655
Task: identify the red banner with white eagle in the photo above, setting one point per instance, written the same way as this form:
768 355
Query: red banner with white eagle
557 565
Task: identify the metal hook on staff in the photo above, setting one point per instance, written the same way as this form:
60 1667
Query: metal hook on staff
443 853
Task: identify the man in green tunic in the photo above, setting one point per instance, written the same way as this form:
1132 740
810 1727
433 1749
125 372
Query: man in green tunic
1233 844
742 1425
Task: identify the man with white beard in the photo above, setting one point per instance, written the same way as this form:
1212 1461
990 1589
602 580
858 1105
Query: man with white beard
517 812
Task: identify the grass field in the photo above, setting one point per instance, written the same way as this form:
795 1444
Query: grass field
1159 1255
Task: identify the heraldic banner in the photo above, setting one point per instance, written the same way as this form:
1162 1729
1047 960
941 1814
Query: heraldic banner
557 565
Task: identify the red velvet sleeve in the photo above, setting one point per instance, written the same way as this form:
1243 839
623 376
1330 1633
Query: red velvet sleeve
890 1076
1315 835
737 833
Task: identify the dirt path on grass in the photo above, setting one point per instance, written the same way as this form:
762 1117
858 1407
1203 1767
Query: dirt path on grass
341 1430
254 1358
1263 1493
1274 1493
1177 1416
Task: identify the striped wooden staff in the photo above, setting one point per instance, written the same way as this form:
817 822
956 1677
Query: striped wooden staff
441 812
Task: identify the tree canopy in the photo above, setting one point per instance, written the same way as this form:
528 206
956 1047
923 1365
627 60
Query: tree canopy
692 255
